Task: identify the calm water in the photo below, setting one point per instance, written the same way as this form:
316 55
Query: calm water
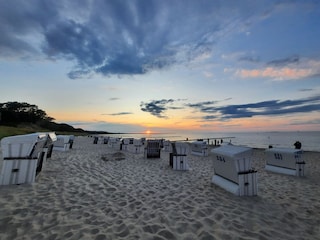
310 140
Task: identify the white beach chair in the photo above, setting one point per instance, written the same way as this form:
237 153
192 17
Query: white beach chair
114 143
199 148
233 171
285 160
23 158
137 143
178 157
125 143
62 143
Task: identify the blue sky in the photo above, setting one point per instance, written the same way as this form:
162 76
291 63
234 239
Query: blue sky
133 66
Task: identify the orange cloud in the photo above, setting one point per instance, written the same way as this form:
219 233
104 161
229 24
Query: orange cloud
285 73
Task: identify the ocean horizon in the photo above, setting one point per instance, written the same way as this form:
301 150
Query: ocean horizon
310 140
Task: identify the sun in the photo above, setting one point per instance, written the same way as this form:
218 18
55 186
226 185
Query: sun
148 132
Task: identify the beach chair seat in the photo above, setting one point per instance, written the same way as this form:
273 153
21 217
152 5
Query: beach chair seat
153 149
71 141
167 146
285 160
125 143
48 146
199 148
114 143
137 143
62 143
178 158
23 158
233 171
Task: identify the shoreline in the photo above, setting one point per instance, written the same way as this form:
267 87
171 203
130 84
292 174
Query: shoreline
96 192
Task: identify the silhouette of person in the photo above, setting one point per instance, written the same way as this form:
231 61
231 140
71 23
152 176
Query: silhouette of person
297 145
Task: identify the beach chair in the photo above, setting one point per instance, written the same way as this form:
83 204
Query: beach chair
178 158
137 143
71 140
125 143
105 140
285 160
114 143
233 171
62 143
199 148
48 147
152 149
167 146
23 158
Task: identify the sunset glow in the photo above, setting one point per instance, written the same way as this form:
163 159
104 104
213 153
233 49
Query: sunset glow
143 66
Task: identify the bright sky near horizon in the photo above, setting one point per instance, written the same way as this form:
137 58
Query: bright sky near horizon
165 65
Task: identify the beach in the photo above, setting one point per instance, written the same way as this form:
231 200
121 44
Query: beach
96 192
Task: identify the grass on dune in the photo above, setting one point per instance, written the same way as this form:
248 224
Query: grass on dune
6 131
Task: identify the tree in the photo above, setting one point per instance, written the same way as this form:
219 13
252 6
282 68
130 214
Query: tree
16 112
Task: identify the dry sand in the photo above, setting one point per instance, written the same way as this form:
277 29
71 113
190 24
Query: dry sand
96 192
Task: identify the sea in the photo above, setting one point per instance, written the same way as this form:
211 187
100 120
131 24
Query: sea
310 140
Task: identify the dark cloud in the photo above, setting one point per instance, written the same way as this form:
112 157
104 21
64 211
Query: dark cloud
200 105
265 108
284 61
249 59
119 113
21 24
212 111
306 89
117 37
156 107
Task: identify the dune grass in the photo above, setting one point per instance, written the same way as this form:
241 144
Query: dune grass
6 131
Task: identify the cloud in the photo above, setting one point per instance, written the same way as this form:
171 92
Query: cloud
305 70
119 37
285 61
251 59
285 73
212 111
306 89
157 107
291 68
114 99
118 114
265 108
309 122
200 105
22 24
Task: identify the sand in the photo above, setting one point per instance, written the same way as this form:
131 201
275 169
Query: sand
96 192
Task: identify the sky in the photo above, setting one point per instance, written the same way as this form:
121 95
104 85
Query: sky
165 65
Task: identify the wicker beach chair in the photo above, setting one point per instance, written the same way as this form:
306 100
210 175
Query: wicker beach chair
178 158
153 148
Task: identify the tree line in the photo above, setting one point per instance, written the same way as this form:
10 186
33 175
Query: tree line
15 113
